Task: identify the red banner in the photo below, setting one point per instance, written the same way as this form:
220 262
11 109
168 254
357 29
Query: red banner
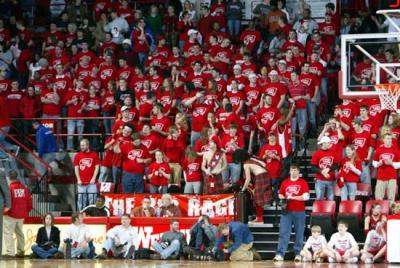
222 205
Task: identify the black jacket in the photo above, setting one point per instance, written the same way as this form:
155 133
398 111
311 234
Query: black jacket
42 239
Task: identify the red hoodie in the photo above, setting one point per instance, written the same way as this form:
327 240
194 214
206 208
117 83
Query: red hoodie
21 201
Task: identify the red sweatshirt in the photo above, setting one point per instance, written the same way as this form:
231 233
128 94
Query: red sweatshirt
21 201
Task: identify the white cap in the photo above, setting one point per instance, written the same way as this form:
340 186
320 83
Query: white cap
127 41
192 31
273 72
324 139
237 66
124 108
282 61
252 75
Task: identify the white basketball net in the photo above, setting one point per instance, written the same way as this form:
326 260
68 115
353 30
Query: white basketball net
388 95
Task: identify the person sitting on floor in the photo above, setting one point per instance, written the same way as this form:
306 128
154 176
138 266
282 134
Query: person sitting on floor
170 245
375 245
97 209
47 240
120 240
242 247
80 236
202 235
342 246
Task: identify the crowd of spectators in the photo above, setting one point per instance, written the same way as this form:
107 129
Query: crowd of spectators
176 89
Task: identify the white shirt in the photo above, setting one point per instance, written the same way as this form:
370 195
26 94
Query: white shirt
316 244
78 233
124 235
342 242
374 241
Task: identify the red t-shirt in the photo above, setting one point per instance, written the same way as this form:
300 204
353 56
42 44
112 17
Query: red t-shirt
273 165
174 150
386 172
49 108
347 173
227 144
236 98
79 98
192 169
162 124
159 180
325 159
298 90
87 162
294 188
199 117
362 142
253 96
267 117
151 142
250 38
130 154
275 90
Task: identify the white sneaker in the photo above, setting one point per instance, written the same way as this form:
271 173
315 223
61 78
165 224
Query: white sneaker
352 260
278 258
368 261
331 260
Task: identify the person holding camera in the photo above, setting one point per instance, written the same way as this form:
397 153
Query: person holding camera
47 240
202 234
236 240
78 236
293 192
171 244
120 240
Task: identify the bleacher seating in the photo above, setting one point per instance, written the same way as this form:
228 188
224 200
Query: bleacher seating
351 212
323 214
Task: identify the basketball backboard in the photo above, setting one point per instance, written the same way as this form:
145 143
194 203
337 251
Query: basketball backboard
372 48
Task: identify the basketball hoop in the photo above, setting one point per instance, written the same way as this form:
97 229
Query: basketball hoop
388 95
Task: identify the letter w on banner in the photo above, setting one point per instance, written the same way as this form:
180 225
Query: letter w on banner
222 205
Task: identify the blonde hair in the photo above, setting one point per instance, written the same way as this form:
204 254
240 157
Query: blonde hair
315 229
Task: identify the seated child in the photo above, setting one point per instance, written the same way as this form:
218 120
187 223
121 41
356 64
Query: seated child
342 246
312 250
375 245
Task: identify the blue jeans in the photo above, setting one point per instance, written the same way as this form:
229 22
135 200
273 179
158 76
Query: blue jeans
105 173
324 86
365 173
86 195
5 143
173 248
142 57
312 112
348 190
77 252
43 254
109 244
298 219
108 123
232 173
234 27
73 125
320 187
158 189
300 121
116 173
194 136
132 183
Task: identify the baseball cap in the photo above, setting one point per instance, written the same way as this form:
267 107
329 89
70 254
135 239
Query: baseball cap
124 108
324 139
273 72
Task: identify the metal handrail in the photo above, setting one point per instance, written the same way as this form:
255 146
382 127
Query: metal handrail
22 162
48 167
